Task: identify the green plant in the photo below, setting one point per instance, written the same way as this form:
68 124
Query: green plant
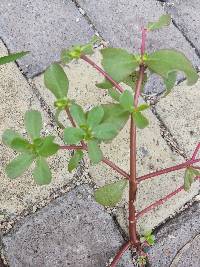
102 124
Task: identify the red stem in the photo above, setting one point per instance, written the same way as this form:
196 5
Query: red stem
116 168
120 253
196 151
144 35
133 181
161 201
167 170
88 60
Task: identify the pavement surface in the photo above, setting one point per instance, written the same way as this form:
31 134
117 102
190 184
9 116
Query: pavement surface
64 215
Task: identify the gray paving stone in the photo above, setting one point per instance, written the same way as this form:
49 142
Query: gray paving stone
120 22
176 235
72 231
42 27
186 15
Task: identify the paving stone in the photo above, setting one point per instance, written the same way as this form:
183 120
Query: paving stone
180 111
177 241
186 16
153 152
73 230
22 194
120 22
43 28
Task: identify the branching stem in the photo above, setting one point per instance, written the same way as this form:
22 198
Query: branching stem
120 253
94 65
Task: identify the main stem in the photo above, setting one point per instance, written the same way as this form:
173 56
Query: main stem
133 179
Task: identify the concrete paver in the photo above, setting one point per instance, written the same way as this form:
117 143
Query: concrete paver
71 231
177 242
186 16
153 152
17 97
180 111
43 28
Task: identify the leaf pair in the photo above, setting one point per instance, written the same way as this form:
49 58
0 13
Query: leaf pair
190 174
38 150
120 65
148 237
126 101
67 55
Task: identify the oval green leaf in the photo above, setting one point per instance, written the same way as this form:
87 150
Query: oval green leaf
33 123
110 194
56 80
42 174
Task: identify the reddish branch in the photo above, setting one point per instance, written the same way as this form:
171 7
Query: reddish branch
161 201
120 253
133 181
196 151
88 60
167 170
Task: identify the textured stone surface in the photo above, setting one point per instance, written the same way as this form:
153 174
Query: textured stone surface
153 152
180 111
17 97
71 231
42 27
177 242
186 16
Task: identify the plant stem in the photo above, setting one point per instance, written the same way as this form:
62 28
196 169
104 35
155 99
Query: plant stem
116 168
167 170
120 253
196 151
94 65
133 181
160 201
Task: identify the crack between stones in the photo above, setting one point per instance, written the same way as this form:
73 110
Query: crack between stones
84 14
182 250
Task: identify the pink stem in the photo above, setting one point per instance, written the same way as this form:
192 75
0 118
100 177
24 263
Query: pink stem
144 35
161 201
196 151
167 170
116 168
88 60
120 253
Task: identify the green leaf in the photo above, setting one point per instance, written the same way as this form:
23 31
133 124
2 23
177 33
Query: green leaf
105 131
104 85
190 174
114 94
126 101
163 21
78 114
170 82
74 161
73 135
94 152
131 79
164 61
42 174
110 194
8 136
33 123
140 120
115 115
195 171
143 107
118 63
48 148
56 80
21 145
65 56
19 165
12 57
94 117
